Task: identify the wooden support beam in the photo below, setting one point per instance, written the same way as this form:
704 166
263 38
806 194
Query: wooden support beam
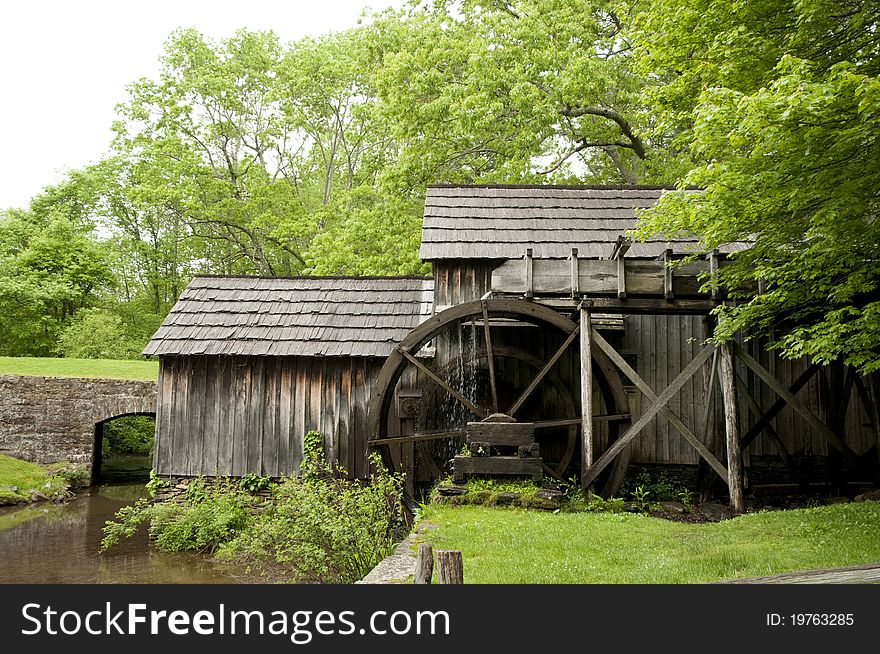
667 274
731 423
415 438
777 406
586 394
648 415
713 271
649 393
490 357
530 274
869 397
575 274
620 247
542 373
812 419
565 422
440 382
621 279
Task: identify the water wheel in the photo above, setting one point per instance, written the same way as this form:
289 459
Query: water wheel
479 362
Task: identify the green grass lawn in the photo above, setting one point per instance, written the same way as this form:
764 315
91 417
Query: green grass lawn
107 368
25 476
518 546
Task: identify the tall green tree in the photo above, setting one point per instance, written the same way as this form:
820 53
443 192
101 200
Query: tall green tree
520 90
778 105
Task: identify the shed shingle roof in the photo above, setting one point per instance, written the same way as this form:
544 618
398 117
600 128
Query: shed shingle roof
500 222
305 316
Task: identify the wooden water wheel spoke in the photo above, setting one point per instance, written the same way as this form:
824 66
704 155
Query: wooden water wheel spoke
480 413
543 372
490 357
415 438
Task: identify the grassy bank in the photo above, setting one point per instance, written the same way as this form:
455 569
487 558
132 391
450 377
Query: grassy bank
521 546
101 368
18 478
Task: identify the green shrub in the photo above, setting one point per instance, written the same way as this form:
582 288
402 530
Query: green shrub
321 527
318 527
208 518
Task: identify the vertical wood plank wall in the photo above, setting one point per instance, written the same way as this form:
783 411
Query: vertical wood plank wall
239 415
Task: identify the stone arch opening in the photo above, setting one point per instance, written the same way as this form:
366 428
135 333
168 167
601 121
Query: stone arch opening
123 447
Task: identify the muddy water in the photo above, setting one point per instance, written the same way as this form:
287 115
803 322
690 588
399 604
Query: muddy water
46 543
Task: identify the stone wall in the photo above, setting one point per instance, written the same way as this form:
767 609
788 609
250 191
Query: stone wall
48 419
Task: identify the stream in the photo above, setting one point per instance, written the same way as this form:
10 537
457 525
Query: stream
58 543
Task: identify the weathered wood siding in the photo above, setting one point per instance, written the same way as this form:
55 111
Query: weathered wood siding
663 345
237 415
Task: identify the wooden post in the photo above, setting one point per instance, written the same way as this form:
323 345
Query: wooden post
530 272
450 567
731 416
586 395
575 274
424 564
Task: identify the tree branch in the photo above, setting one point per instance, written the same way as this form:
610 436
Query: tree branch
637 145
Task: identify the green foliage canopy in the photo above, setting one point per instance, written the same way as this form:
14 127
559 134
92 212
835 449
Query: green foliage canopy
778 104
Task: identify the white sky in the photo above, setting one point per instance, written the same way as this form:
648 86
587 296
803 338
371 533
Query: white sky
65 65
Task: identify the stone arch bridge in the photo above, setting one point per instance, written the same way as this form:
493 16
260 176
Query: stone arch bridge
49 419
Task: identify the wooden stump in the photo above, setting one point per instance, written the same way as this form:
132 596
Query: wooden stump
424 564
450 567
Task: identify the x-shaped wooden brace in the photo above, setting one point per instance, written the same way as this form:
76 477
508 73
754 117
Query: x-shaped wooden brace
658 406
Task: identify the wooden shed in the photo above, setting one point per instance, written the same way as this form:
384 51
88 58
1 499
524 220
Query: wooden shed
249 365
416 366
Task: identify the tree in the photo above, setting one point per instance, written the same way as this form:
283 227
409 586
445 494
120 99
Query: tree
50 267
526 90
778 104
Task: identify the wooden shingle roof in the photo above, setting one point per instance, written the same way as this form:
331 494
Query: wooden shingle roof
500 222
305 316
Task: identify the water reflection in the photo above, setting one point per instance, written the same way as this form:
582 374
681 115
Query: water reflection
59 544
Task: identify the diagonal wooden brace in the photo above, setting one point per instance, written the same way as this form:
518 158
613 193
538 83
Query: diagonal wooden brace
646 417
649 393
812 419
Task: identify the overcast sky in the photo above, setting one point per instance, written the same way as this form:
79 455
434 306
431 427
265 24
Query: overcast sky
66 63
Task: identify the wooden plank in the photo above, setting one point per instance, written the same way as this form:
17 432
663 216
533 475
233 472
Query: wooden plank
300 403
542 373
242 377
575 274
496 465
255 408
855 574
213 395
621 279
609 454
501 433
731 423
442 383
530 274
777 406
586 358
226 427
811 418
414 438
196 400
667 274
610 417
649 393
490 357
164 407
285 385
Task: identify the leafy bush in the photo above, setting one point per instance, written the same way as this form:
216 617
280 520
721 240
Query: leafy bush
318 527
322 527
99 334
209 517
